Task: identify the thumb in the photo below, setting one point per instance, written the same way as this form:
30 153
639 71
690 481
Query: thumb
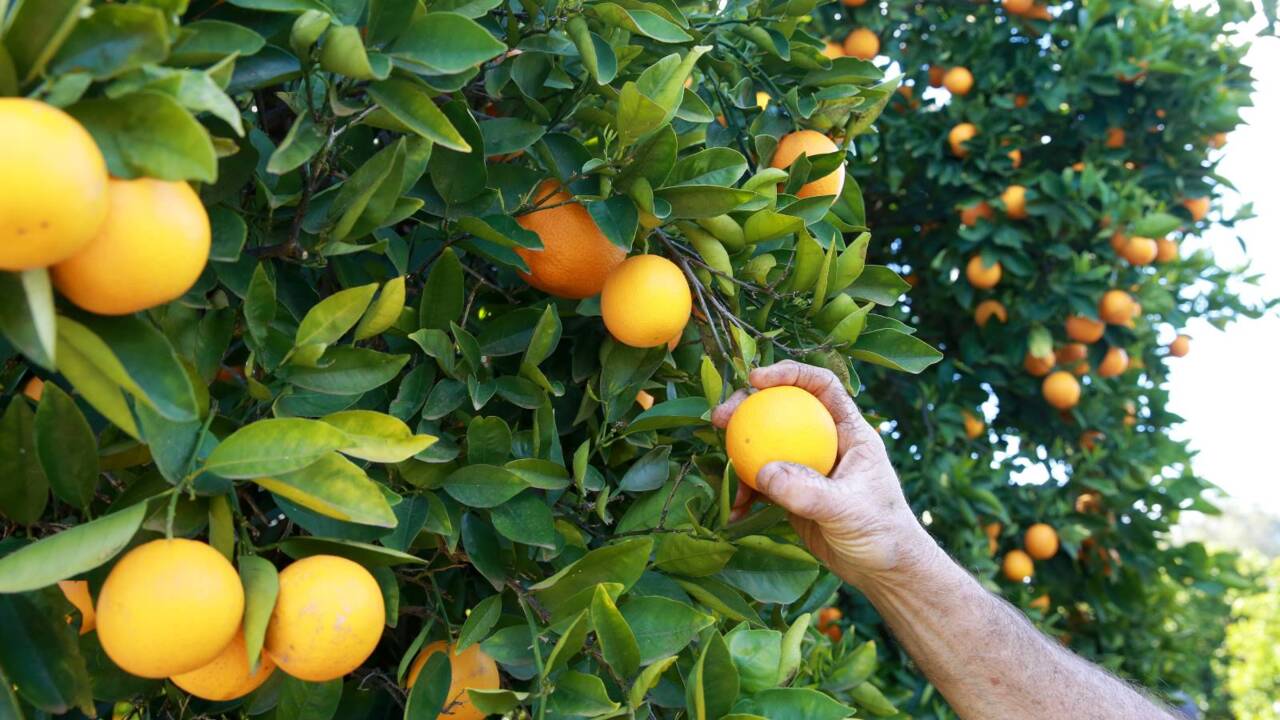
799 489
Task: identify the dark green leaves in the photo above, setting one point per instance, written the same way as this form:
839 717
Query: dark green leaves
442 42
27 314
148 134
483 486
70 552
896 350
40 653
66 447
24 491
113 40
412 105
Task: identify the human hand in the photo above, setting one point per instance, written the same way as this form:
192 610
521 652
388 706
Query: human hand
857 520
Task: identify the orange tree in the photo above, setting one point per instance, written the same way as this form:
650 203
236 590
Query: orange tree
309 406
1035 179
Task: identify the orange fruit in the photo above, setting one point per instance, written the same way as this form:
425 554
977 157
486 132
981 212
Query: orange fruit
992 531
834 633
34 389
1115 138
644 400
1014 198
1180 346
783 423
53 185
1116 307
833 50
575 257
1071 353
169 607
1114 363
1166 250
1089 501
228 676
1217 140
1118 241
1017 7
471 669
1017 566
936 73
854 3
981 275
829 616
150 250
973 427
958 80
1041 603
1061 390
980 210
862 43
1077 166
1089 439
1015 157
1084 329
1041 541
1139 250
1037 366
1198 207
958 136
1020 100
77 593
988 309
646 301
810 143
327 620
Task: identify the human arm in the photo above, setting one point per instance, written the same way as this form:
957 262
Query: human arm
980 652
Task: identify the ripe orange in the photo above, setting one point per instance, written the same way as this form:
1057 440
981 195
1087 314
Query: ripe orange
575 257
973 427
228 676
810 143
1130 413
1180 346
1118 241
1077 166
1139 250
1084 329
169 607
472 669
981 275
958 136
1041 603
1217 140
1089 439
834 633
854 3
1198 207
936 73
1037 366
1166 250
327 620
1089 501
1061 390
1014 198
644 400
1041 541
1020 100
958 80
53 185
992 531
1116 307
77 593
970 215
645 301
1114 363
1017 566
1017 7
781 423
833 50
1015 157
1071 353
862 43
1115 138
988 309
829 616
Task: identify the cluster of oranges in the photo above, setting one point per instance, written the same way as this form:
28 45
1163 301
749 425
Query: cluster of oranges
1040 542
113 246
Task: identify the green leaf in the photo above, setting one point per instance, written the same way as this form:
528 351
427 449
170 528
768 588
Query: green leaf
895 350
648 473
331 318
24 491
483 618
443 42
483 486
712 382
334 487
644 22
442 295
377 437
680 412
346 371
869 696
302 142
648 678
757 654
27 316
141 359
384 312
343 53
36 31
412 104
878 284
66 447
854 669
429 693
301 700
571 642
690 556
94 374
274 446
113 40
637 114
702 201
71 552
662 626
770 571
40 654
849 265
765 225
712 166
713 685
617 219
526 519
1156 225
261 586
580 694
204 42
148 134
617 642
795 704
621 563
300 546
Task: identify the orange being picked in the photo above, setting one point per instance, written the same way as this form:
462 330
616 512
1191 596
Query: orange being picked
783 423
1061 390
1114 363
973 427
981 210
1041 541
862 43
1116 307
1166 250
1198 207
169 607
1014 198
471 669
1017 566
958 80
646 301
327 620
958 136
1037 366
810 143
228 676
77 593
1180 346
1140 250
1084 329
988 309
575 257
151 249
53 185
982 275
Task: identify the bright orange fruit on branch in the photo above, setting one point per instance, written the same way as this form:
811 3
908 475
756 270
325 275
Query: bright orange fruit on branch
1041 541
53 185
150 250
646 301
988 309
1139 250
781 423
1037 366
1166 250
982 275
1180 346
1014 198
228 676
992 531
862 43
1084 329
810 143
829 616
1115 138
1061 390
472 669
958 136
970 215
1116 307
575 257
1198 207
958 80
973 427
1017 566
1114 363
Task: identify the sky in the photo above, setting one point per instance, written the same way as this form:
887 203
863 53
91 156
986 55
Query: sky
1228 387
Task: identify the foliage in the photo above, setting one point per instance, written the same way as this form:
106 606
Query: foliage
1253 673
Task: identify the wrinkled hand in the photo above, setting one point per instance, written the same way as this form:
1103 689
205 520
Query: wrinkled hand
856 521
